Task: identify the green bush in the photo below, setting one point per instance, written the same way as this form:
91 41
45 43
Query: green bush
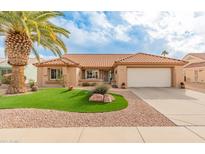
6 79
93 84
84 84
101 89
31 83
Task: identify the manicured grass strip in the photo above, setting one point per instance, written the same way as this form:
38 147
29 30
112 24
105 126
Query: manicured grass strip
61 99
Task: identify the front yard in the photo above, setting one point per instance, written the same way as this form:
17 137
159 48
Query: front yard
49 108
61 99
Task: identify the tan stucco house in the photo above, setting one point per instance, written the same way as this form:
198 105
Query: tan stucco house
134 70
194 70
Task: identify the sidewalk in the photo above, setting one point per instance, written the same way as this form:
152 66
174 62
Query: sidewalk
104 135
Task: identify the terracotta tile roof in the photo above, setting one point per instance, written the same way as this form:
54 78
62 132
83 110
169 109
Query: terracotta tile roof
96 60
56 62
143 58
199 55
199 64
108 60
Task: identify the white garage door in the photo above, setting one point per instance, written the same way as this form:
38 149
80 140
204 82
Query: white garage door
149 77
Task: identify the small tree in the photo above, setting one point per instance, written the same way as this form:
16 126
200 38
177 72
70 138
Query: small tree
164 53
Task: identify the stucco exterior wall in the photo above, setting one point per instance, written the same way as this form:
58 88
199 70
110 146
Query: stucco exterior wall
70 77
177 76
40 76
73 76
191 76
192 73
121 75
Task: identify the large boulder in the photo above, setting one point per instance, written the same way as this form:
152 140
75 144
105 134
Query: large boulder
108 98
109 95
97 98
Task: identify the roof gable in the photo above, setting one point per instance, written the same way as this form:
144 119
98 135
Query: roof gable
199 64
144 58
56 62
197 55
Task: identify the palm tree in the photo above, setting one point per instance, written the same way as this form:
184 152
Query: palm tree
23 29
164 53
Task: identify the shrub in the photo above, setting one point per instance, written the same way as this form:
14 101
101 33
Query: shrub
6 79
70 88
34 88
114 86
31 83
101 89
85 84
93 84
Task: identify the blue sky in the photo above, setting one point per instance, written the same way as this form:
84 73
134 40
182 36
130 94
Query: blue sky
130 32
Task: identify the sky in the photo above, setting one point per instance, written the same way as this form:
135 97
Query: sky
178 33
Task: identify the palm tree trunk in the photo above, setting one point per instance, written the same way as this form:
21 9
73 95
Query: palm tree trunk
17 84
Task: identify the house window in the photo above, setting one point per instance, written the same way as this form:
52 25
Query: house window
55 74
92 74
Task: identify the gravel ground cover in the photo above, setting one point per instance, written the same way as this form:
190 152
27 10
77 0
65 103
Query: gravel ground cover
138 113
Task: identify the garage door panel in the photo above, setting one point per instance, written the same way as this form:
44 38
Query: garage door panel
149 77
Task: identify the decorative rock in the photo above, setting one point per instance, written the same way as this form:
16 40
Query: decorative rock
112 98
97 98
107 99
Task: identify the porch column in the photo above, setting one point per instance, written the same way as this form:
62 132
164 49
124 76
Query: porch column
121 76
177 76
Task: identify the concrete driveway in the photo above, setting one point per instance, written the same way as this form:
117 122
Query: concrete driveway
182 106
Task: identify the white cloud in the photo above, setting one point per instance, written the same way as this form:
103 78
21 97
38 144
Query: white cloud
100 32
99 20
80 36
183 31
121 33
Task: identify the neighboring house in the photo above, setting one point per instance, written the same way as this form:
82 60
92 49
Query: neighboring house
5 68
194 71
134 70
30 69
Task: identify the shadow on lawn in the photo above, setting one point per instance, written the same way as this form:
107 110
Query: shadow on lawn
74 94
65 91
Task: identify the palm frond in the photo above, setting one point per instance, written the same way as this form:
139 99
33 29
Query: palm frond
35 52
37 26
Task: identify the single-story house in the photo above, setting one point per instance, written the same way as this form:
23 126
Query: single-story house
30 69
194 70
5 68
133 70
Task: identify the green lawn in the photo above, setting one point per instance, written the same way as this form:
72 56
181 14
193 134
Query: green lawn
61 99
